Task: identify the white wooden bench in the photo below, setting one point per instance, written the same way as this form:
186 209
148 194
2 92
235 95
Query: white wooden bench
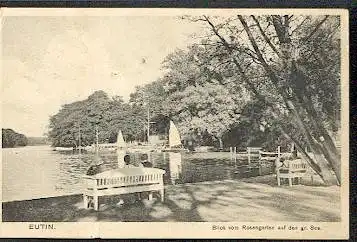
293 169
122 181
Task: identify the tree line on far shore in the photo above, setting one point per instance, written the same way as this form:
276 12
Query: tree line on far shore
11 139
251 81
76 123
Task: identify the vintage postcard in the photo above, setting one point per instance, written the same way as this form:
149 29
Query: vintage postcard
174 123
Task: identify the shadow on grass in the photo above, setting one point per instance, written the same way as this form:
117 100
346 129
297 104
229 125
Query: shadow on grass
206 201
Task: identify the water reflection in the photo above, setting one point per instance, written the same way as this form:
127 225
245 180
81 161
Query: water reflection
31 172
120 157
175 166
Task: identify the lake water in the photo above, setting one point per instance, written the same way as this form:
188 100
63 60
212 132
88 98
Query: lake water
38 171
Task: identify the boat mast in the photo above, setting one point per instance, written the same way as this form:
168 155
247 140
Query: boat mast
97 137
148 125
79 138
148 128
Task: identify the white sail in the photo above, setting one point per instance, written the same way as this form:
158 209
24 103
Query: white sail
174 136
120 140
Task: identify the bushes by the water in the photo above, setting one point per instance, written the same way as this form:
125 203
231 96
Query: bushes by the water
12 139
37 141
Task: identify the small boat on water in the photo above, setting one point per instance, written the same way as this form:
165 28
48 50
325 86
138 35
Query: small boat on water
109 147
63 148
144 148
120 140
175 144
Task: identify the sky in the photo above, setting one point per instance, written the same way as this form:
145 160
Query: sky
50 61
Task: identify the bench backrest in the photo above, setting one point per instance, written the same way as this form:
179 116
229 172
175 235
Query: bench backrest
293 166
102 181
297 165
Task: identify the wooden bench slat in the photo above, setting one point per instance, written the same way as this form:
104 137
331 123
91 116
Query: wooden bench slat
122 181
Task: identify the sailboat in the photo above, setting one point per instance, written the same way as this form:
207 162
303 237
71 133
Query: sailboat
174 139
120 140
174 136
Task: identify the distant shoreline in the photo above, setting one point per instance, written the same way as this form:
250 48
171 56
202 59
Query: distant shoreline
25 146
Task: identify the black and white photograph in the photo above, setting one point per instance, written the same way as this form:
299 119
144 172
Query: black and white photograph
176 116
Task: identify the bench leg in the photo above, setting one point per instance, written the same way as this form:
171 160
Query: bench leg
150 196
290 181
278 180
96 204
85 201
162 193
139 196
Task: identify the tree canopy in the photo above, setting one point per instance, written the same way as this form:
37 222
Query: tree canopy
264 80
98 111
11 139
291 64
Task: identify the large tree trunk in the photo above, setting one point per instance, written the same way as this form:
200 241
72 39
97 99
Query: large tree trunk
323 148
328 147
322 154
220 143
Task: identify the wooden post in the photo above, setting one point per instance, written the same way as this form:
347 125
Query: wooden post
149 157
97 140
79 139
148 125
279 152
162 194
95 195
96 202
85 201
235 155
290 178
231 152
248 156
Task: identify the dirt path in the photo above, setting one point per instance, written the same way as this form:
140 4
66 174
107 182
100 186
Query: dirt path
250 199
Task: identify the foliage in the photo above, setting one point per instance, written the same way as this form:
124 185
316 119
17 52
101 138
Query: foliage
32 141
98 111
254 129
12 139
263 80
291 64
198 98
149 100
